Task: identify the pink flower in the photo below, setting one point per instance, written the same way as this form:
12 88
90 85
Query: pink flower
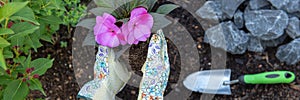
138 28
106 32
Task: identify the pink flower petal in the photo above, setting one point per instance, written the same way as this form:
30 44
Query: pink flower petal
123 36
99 20
137 11
139 26
144 38
131 39
145 19
136 42
99 29
108 39
141 31
107 17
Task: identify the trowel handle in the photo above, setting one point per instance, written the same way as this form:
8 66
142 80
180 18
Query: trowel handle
274 77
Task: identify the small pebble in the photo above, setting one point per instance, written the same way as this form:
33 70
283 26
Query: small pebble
199 46
133 92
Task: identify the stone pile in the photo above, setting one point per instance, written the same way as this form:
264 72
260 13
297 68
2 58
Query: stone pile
254 25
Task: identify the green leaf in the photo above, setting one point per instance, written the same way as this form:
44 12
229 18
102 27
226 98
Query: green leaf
26 49
16 90
4 80
33 41
2 60
51 20
27 61
166 9
160 21
41 65
54 27
5 31
58 4
3 43
22 29
43 27
100 10
19 41
87 23
1 94
10 8
150 4
124 20
103 3
114 4
35 84
7 53
89 40
20 59
25 14
47 38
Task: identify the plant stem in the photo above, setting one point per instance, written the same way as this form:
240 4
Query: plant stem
6 22
44 6
2 60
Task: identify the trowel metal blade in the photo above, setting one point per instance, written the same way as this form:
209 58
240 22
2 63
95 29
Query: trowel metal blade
209 81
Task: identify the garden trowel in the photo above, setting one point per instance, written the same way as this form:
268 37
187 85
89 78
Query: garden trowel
218 81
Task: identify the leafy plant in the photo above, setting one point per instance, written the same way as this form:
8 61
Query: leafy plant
19 32
121 9
23 24
74 13
63 44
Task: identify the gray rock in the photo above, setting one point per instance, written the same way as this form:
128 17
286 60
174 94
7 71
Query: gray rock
255 45
210 11
266 24
290 6
289 53
257 4
293 6
279 3
274 42
230 6
293 28
239 19
228 37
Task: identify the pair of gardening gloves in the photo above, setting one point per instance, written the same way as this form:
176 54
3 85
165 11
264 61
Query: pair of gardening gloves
110 76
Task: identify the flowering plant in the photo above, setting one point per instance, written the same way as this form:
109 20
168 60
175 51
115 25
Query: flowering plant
121 22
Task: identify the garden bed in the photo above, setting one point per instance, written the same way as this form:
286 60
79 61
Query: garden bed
60 83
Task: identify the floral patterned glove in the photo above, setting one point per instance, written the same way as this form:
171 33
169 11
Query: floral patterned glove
156 69
109 77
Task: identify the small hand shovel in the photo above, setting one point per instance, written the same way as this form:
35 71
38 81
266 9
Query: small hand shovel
218 81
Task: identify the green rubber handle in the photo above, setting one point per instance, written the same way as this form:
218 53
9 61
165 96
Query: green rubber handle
274 77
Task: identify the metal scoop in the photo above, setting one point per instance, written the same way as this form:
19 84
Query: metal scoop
218 81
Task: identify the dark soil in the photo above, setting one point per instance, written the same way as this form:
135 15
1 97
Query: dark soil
60 84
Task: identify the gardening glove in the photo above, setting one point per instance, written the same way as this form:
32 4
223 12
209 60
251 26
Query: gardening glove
109 77
155 70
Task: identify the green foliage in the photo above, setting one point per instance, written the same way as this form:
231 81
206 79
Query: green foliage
23 25
16 90
9 9
75 12
166 9
63 44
